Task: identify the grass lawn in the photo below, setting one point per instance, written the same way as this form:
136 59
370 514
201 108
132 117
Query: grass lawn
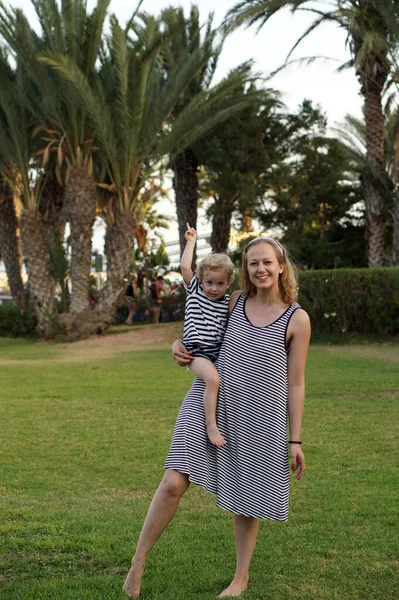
82 445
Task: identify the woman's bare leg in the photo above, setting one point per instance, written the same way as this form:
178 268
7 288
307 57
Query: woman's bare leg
162 509
245 531
205 370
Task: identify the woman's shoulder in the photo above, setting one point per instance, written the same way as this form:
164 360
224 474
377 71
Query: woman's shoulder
234 299
300 318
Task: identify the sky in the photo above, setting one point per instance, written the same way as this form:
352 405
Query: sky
337 93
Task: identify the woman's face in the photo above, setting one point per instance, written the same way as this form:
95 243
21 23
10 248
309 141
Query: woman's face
263 266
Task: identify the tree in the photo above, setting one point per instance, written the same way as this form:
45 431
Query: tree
130 94
10 247
236 159
353 134
373 35
223 99
313 196
16 152
68 29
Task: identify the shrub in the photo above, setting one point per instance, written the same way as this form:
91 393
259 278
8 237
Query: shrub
344 300
15 321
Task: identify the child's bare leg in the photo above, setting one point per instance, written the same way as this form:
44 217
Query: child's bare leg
205 370
162 509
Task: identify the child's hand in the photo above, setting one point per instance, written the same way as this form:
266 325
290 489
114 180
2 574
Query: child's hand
190 234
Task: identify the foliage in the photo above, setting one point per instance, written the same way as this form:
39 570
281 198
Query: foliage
365 301
15 321
238 156
314 200
352 132
372 36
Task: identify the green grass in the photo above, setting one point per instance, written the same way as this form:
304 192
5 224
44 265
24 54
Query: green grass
81 453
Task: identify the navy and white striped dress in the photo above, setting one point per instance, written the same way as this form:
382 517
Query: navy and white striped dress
250 475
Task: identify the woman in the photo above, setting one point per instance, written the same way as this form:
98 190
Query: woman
261 366
130 297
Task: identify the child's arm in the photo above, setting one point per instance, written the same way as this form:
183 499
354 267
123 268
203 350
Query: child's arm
187 256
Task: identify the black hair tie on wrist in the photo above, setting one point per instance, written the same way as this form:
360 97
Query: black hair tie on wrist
293 442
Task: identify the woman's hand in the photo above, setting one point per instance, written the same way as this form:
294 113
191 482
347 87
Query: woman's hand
297 460
180 353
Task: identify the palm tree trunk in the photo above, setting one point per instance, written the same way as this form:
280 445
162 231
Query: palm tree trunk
185 185
374 198
372 77
38 266
80 210
10 247
119 244
247 225
221 224
50 208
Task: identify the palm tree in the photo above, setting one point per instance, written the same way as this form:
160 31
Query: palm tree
353 134
130 94
17 151
372 27
68 29
185 37
10 247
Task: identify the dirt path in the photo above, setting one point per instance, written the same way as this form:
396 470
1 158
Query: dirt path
145 337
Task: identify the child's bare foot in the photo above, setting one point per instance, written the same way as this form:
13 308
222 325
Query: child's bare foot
236 588
214 435
133 580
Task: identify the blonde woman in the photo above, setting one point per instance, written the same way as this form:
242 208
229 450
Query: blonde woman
262 371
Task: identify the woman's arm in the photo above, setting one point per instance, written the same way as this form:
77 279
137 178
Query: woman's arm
180 353
299 337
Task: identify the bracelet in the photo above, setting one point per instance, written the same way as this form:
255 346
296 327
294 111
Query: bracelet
293 442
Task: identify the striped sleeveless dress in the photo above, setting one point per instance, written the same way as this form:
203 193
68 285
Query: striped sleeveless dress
250 474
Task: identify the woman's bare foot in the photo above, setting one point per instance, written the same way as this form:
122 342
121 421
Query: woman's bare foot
236 588
214 435
133 580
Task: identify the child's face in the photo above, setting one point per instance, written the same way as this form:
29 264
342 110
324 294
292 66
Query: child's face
215 283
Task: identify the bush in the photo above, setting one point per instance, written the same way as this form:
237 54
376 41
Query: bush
364 301
16 321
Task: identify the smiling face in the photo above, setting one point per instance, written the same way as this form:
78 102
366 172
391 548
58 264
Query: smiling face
215 283
263 267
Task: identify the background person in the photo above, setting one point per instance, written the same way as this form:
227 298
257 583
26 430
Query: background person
262 370
157 290
130 297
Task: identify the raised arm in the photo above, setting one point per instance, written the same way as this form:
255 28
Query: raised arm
298 338
188 253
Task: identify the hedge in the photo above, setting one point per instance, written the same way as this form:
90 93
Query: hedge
364 301
16 321
352 300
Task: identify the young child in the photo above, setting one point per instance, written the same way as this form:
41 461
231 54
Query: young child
205 322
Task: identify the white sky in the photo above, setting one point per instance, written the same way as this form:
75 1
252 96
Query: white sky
337 93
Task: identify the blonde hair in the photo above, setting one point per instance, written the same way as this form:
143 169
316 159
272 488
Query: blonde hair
287 281
213 262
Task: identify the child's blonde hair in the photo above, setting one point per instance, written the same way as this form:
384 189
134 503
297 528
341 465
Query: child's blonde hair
213 262
287 280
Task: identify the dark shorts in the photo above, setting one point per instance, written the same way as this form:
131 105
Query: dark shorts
210 353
